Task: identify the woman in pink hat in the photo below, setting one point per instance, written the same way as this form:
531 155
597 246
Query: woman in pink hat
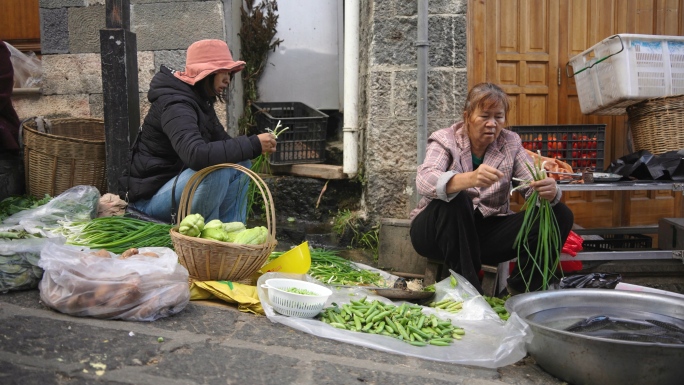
181 134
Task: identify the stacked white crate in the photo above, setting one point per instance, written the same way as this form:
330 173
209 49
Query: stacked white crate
625 69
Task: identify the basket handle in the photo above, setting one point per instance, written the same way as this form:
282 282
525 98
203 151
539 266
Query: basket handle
195 180
622 48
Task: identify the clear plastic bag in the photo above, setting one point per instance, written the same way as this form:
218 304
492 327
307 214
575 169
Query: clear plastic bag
78 282
28 69
488 341
78 203
19 268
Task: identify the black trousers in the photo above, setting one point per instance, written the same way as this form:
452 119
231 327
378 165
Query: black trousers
457 235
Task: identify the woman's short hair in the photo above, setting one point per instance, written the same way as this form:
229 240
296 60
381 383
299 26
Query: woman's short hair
485 96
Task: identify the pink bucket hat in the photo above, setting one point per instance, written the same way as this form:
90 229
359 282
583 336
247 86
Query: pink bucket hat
205 57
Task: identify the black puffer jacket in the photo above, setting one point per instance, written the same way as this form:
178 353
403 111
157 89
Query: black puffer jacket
179 130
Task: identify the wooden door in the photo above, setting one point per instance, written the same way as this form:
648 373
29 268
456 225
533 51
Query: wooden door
515 44
524 45
20 24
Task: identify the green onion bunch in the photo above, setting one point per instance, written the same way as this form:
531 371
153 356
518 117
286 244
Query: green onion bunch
546 257
117 234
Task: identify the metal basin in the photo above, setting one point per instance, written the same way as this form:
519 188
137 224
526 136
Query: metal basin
580 359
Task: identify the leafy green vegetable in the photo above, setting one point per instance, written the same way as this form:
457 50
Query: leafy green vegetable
14 204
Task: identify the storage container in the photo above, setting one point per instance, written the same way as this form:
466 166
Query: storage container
657 124
304 141
581 146
613 242
69 153
625 69
211 260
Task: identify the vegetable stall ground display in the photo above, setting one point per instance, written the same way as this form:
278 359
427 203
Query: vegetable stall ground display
473 335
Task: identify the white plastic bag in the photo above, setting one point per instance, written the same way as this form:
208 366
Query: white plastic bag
488 341
28 69
19 268
78 282
78 203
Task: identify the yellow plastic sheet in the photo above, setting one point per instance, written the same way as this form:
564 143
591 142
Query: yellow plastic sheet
245 296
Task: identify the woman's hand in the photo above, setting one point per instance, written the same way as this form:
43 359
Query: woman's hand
268 143
485 176
546 188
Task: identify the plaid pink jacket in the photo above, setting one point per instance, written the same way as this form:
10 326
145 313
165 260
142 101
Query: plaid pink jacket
448 153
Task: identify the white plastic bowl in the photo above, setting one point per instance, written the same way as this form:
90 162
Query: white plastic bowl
293 304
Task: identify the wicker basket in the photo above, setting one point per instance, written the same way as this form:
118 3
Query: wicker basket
211 260
71 154
658 124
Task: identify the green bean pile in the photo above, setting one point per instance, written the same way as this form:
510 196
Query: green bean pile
497 304
297 290
448 304
118 234
406 322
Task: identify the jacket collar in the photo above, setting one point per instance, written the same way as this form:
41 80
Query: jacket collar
493 155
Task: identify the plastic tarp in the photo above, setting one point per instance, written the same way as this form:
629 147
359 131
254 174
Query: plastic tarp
488 341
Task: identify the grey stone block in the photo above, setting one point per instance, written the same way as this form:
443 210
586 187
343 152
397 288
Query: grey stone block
96 105
85 24
380 94
72 74
440 93
54 30
384 9
391 145
176 25
52 106
146 70
404 94
447 37
387 195
173 59
393 42
62 3
435 7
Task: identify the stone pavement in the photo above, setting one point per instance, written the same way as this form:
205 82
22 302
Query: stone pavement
207 343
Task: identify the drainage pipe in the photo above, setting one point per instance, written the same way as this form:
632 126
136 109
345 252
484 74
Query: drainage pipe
422 77
351 88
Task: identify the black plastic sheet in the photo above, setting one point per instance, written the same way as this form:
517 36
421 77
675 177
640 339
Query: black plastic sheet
591 281
642 165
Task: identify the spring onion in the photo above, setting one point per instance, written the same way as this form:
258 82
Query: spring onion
117 234
546 257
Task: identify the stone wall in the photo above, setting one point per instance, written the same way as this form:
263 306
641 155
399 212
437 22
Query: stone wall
389 93
70 43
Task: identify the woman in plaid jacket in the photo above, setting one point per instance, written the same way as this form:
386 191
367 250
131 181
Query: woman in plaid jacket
464 217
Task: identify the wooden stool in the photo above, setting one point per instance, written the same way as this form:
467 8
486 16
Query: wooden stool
490 280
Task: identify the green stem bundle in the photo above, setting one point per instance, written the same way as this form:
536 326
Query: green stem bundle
118 234
546 256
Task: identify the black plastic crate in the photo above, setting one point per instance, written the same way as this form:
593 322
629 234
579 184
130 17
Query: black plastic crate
304 141
581 146
613 242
